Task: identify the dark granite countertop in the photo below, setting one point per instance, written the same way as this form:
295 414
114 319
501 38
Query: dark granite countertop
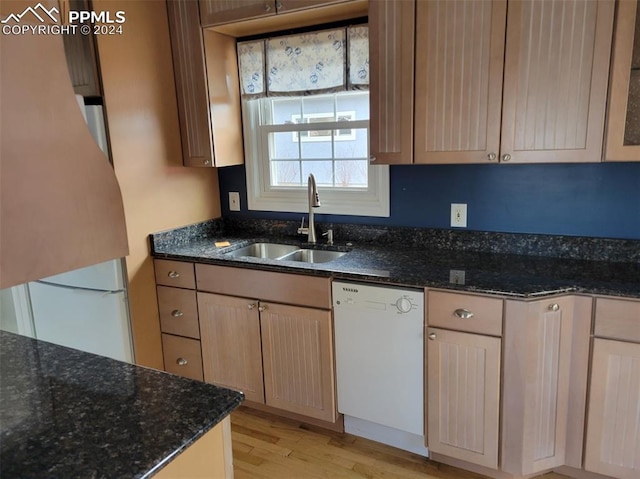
426 265
70 414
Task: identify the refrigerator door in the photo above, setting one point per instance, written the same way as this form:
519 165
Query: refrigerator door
91 321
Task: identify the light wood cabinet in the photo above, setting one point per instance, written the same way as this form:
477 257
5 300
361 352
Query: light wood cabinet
216 12
81 54
391 46
459 80
463 376
623 117
231 352
549 108
207 89
297 346
612 444
546 350
463 384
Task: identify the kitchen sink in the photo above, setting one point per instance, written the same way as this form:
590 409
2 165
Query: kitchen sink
264 250
312 256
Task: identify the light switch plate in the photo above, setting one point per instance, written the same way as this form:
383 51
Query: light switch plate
459 215
234 201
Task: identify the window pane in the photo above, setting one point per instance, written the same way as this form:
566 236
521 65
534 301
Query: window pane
351 143
285 173
282 110
284 146
318 104
358 102
351 174
316 144
322 170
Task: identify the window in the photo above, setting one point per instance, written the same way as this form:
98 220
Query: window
324 131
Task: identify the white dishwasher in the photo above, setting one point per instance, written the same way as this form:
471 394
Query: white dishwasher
379 363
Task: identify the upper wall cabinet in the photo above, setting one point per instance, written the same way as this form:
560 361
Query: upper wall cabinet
207 88
216 12
524 86
623 127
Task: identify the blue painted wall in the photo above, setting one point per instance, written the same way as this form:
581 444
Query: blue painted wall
600 200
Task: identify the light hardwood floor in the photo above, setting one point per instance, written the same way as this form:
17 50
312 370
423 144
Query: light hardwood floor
269 447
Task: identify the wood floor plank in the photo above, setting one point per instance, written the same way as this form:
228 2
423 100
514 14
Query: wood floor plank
269 447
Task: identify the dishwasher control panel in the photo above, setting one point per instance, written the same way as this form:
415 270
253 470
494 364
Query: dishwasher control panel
377 298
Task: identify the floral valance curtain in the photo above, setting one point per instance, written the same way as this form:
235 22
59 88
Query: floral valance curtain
305 64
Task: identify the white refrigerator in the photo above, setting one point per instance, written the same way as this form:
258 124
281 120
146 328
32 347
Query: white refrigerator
85 309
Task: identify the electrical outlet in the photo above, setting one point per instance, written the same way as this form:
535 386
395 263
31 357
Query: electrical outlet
234 201
456 276
459 215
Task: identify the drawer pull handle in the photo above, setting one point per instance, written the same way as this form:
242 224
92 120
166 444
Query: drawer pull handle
182 362
176 313
432 336
262 308
251 306
267 7
173 274
463 313
554 307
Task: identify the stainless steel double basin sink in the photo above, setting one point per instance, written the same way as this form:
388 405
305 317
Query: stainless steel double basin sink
285 252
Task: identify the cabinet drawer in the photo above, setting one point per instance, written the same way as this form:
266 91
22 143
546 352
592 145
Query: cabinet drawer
182 356
265 285
178 311
618 319
174 273
448 310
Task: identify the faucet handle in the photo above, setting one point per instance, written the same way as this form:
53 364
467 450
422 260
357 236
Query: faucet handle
329 235
302 230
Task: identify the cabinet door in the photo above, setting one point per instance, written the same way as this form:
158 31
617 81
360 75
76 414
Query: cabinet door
230 337
191 82
613 426
217 12
463 382
299 374
546 351
623 126
391 43
458 80
555 80
81 56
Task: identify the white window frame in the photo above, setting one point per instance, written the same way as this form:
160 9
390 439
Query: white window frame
261 196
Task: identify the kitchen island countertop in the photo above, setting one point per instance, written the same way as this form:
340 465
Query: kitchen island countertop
67 413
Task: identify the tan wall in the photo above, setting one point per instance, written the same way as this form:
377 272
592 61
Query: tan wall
158 192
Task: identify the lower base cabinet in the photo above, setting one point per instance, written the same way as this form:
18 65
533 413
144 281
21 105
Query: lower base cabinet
297 348
276 354
463 396
613 425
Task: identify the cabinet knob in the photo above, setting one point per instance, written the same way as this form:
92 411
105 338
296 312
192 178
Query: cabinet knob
182 362
463 313
206 162
279 6
176 313
262 308
251 305
173 274
492 156
432 336
372 159
506 157
267 7
554 307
